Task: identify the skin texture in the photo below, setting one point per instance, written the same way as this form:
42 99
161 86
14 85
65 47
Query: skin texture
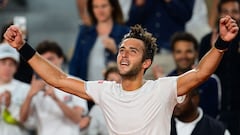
127 62
187 111
184 55
37 85
8 68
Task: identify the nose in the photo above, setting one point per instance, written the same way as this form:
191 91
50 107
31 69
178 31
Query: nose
124 53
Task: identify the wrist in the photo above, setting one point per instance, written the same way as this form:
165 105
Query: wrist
30 96
22 44
55 99
26 51
222 45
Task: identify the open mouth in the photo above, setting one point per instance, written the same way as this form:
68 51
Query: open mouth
124 63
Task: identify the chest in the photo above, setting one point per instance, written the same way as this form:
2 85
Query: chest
130 113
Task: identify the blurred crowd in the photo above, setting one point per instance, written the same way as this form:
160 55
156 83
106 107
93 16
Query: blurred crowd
185 31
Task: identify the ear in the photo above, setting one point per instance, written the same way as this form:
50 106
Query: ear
147 63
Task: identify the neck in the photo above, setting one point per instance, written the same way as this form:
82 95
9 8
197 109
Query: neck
189 117
181 71
2 82
4 41
132 83
105 27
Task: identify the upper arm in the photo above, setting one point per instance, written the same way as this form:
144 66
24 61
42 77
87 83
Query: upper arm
74 86
188 81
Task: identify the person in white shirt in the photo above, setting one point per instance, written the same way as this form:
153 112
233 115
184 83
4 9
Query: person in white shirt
51 110
189 118
136 106
95 123
12 92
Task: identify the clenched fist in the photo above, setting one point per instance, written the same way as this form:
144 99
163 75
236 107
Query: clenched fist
228 28
13 36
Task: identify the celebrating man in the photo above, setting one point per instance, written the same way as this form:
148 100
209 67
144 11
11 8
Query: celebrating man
136 106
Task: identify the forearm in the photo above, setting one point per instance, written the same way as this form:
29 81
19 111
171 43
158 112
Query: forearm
25 109
228 30
209 63
202 72
82 9
70 113
213 14
47 71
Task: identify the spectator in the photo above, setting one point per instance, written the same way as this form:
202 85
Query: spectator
150 102
189 119
228 70
97 124
3 3
98 41
202 20
97 44
51 110
12 92
161 17
82 8
24 71
185 52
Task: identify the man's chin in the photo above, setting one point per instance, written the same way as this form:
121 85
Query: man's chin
184 68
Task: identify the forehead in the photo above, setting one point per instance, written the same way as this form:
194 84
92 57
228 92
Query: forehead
230 5
182 44
132 42
98 2
49 54
9 60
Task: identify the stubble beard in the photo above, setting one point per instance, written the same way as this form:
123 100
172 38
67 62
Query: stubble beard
132 73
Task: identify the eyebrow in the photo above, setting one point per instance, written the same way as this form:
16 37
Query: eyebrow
132 48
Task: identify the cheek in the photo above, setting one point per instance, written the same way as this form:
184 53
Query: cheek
118 58
177 56
237 16
13 69
95 11
108 11
191 56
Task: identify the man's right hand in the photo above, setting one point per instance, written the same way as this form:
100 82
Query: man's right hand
13 36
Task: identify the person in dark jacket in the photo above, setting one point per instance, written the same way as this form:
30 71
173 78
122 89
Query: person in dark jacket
184 48
103 37
97 44
161 17
189 119
228 69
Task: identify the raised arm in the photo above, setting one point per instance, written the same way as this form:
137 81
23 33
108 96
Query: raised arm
209 63
48 72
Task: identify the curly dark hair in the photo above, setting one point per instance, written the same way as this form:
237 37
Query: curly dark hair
149 41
